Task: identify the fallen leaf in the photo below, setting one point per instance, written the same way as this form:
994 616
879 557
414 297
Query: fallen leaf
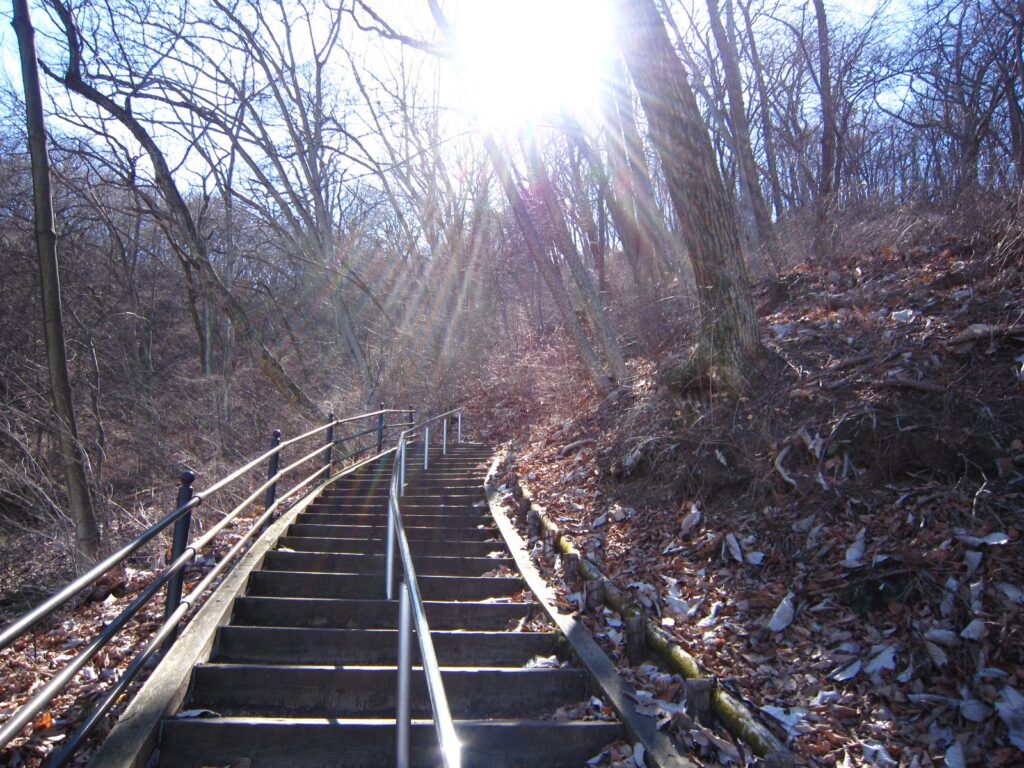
976 630
734 547
1013 593
855 552
884 658
783 615
790 717
936 654
875 753
946 637
1011 711
955 756
846 673
690 520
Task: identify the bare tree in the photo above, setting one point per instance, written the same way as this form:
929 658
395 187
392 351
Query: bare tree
176 212
729 347
87 539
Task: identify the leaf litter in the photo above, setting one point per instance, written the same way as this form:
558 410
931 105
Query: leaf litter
833 555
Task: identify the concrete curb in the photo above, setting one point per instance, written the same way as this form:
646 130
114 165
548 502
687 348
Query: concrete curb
733 713
659 750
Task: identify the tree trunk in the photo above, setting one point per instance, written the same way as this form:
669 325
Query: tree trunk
87 537
536 249
729 347
767 129
826 181
738 118
564 243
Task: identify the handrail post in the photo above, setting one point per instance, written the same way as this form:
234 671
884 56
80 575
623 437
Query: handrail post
180 540
329 451
389 560
426 448
401 472
404 667
412 418
380 429
272 465
459 437
444 437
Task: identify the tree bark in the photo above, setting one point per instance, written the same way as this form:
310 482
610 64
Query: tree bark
729 348
87 537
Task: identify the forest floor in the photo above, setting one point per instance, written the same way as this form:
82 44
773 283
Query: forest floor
844 548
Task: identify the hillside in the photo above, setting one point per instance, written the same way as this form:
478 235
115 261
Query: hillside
873 486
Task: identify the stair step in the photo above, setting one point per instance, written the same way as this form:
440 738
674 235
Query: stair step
469 480
352 517
408 508
426 565
377 546
270 690
281 645
374 614
342 586
413 533
436 497
324 743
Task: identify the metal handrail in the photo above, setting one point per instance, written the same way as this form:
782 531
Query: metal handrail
183 553
410 598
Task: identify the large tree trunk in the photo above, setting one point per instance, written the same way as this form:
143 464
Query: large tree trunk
729 347
87 537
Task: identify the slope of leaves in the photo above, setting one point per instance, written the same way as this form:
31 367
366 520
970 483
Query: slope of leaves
843 548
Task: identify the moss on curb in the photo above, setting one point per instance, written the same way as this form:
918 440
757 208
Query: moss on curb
735 715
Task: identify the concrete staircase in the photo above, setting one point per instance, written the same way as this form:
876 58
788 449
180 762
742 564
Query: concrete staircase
304 674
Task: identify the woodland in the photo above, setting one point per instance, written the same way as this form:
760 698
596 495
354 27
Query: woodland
736 285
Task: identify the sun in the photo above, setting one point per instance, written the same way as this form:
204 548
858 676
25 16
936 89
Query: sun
524 60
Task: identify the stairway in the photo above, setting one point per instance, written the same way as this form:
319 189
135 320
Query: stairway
304 674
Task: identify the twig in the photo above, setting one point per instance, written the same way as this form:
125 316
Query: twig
778 466
566 450
903 381
850 362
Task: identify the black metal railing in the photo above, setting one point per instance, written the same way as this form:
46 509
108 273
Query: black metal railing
365 445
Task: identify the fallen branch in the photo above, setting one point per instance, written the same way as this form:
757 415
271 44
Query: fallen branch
904 382
566 450
978 331
850 362
736 717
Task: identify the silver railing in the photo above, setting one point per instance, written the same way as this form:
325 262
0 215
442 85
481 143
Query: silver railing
410 605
